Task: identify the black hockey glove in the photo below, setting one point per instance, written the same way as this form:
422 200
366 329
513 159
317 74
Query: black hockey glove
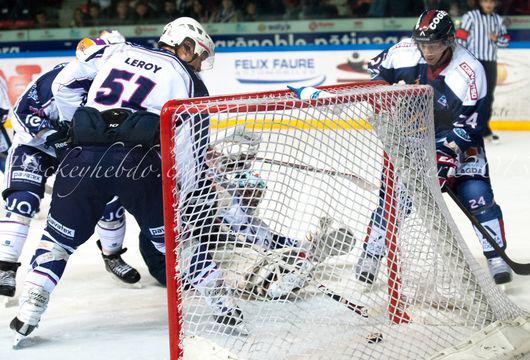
60 139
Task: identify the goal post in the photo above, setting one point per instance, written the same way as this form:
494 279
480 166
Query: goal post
327 174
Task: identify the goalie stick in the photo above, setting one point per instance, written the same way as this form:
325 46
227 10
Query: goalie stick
518 268
365 184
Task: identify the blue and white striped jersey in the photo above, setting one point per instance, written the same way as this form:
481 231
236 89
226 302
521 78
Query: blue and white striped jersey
460 102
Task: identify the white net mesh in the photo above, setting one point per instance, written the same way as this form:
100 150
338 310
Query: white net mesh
308 228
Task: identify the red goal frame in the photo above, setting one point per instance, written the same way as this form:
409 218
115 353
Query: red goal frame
170 111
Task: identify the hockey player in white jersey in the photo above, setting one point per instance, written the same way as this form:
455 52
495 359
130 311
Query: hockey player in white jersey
115 135
30 163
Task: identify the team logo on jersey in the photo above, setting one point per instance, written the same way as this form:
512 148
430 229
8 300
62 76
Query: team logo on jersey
473 92
462 134
66 231
159 231
467 70
30 163
442 101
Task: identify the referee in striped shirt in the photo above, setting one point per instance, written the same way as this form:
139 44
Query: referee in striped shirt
482 31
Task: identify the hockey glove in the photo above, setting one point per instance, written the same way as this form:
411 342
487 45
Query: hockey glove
446 170
61 138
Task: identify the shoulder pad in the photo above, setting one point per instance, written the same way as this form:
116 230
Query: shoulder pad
87 47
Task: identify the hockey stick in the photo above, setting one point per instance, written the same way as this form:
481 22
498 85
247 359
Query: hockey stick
365 184
518 268
358 309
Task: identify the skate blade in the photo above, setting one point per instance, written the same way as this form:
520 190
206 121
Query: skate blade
18 341
8 302
123 284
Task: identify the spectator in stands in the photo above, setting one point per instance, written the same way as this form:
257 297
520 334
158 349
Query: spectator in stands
226 13
79 19
358 8
393 8
292 10
317 9
142 12
251 11
104 6
94 15
271 10
42 21
198 11
184 7
514 7
123 13
169 12
437 4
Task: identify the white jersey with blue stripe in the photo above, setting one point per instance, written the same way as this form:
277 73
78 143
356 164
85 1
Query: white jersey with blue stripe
125 76
460 98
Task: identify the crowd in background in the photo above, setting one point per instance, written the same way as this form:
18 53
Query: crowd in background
23 14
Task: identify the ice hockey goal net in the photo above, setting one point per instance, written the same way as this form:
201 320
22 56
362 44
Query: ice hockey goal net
324 166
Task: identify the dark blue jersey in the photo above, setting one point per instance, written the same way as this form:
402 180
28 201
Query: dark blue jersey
36 106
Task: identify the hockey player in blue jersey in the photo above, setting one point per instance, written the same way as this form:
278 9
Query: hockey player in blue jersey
460 114
30 163
5 141
114 138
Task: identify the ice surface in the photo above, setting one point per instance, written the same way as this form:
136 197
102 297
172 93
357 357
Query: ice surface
93 317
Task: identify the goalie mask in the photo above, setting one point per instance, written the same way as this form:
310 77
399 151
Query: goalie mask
185 28
250 188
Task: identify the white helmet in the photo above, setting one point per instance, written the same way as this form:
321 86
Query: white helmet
112 36
185 27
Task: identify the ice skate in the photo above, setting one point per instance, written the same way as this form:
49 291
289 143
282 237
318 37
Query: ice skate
499 270
367 268
33 303
8 273
225 310
118 267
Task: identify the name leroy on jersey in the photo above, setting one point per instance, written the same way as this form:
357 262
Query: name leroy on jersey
142 64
